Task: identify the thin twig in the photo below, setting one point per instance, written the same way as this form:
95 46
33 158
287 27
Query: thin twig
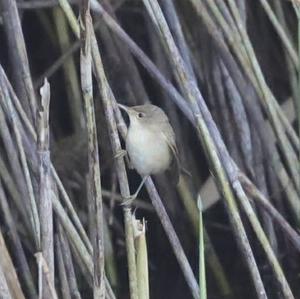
269 208
93 156
18 56
18 248
62 274
34 217
45 203
68 261
202 275
4 291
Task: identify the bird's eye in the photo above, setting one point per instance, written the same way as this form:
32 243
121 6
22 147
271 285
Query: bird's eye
140 115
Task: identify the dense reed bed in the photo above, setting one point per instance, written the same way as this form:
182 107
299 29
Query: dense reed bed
227 74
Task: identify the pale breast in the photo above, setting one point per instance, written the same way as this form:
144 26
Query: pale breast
148 151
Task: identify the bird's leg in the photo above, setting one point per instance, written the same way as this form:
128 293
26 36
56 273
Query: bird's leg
140 186
132 197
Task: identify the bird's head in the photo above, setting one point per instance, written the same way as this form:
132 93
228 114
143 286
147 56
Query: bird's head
144 114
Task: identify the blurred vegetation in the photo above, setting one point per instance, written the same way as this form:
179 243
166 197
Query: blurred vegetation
227 75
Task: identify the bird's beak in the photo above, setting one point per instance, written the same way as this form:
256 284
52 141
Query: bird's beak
125 108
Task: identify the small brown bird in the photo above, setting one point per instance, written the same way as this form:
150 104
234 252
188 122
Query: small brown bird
150 142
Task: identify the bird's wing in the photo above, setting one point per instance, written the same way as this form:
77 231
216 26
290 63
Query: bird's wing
169 136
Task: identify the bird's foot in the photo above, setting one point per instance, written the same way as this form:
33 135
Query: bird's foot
128 200
120 154
123 153
131 198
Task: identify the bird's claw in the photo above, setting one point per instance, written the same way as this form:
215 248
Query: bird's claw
123 153
128 200
120 154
